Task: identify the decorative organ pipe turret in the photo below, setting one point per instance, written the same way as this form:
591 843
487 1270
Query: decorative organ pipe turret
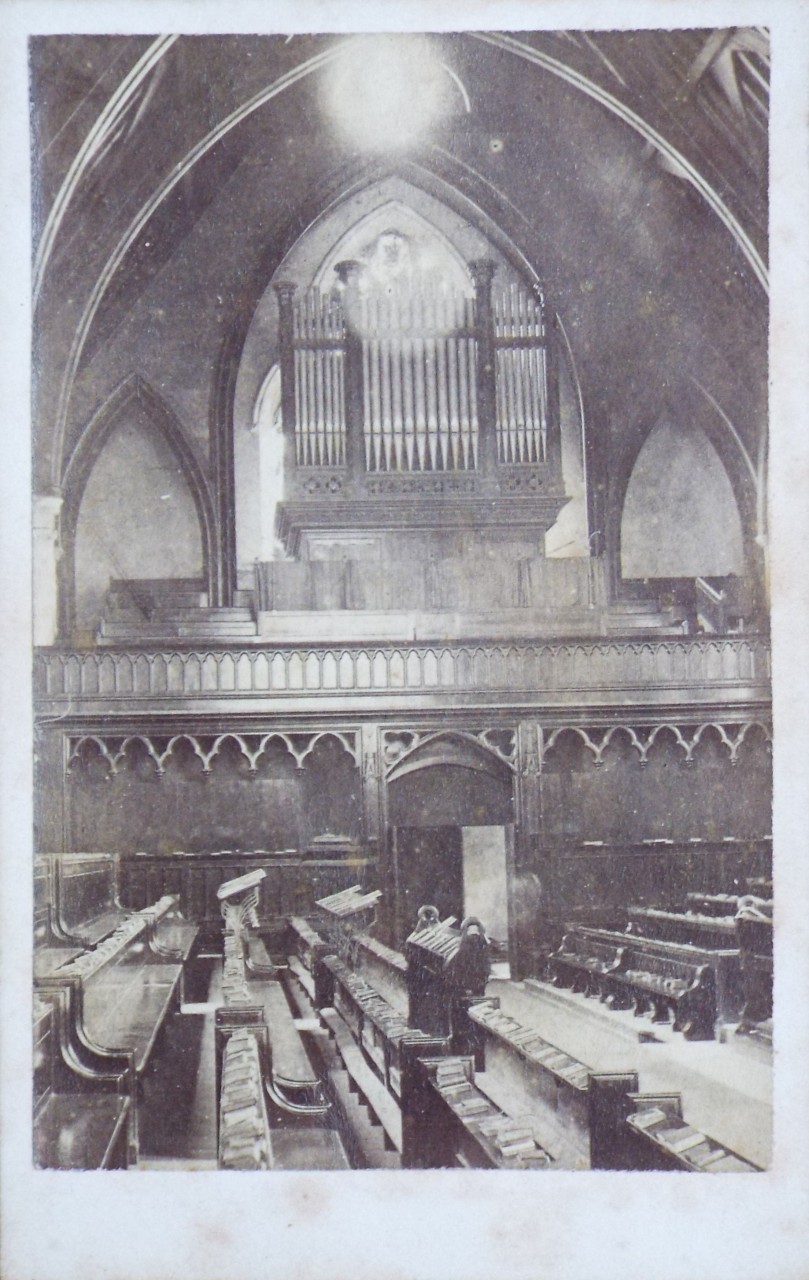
421 378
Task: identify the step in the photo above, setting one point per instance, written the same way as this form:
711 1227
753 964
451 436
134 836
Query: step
186 614
158 631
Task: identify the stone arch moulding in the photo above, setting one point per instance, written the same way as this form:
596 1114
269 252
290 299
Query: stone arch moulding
438 177
460 208
732 456
158 417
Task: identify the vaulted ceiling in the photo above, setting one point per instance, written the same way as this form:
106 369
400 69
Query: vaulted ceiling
173 174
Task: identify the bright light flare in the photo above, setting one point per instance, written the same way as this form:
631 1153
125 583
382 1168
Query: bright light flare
385 91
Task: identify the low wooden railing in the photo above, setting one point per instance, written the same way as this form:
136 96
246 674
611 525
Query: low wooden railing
715 664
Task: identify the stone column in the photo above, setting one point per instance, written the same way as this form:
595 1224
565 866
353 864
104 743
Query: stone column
47 553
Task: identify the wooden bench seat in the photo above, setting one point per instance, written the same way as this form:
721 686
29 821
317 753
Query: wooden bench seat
669 986
101 926
455 1125
128 1012
81 1131
658 1124
581 962
74 1128
714 931
48 959
292 1084
257 958
83 896
108 1006
671 981
291 1067
384 968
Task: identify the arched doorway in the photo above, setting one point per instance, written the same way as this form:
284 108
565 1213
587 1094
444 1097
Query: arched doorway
451 814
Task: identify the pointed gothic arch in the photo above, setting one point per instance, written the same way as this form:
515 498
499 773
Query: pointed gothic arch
155 417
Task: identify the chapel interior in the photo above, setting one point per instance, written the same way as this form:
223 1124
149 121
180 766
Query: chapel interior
402 670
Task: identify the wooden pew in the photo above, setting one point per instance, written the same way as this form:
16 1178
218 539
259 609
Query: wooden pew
85 904
672 963
244 1132
379 1030
586 1119
81 1109
384 968
241 1043
50 947
583 962
290 1081
657 1124
669 987
450 1124
714 932
712 904
754 926
536 1082
111 1004
305 948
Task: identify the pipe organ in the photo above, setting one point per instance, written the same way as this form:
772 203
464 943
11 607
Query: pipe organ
521 378
419 363
422 377
319 345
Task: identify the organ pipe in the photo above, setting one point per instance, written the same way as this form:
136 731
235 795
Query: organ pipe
427 379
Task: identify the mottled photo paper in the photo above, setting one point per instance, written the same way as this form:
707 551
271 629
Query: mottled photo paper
405 559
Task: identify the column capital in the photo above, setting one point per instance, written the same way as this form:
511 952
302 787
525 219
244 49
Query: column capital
285 289
347 270
47 507
482 271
